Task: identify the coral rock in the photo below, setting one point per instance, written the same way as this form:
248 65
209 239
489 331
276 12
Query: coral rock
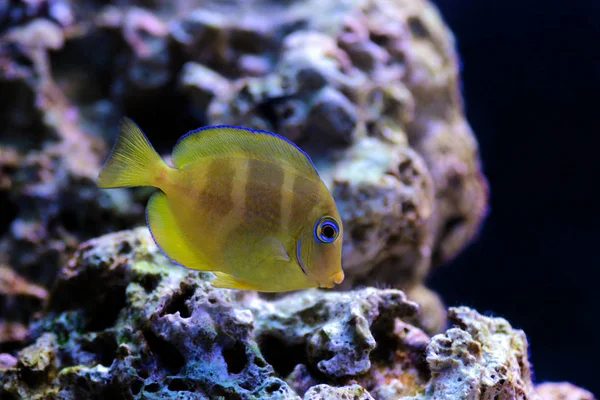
562 391
132 325
326 392
333 328
480 358
123 322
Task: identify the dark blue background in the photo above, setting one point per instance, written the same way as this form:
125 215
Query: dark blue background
531 82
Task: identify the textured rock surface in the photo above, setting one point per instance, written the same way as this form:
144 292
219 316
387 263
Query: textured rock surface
124 323
343 319
131 326
562 391
324 392
480 358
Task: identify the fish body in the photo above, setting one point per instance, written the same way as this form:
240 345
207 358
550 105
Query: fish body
247 205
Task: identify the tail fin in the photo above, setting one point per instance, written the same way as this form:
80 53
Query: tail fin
132 162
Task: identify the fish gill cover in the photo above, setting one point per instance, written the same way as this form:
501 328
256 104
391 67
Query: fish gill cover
370 89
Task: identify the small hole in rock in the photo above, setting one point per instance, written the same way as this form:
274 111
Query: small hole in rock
177 302
359 233
259 362
136 386
281 356
124 248
178 385
150 282
273 387
404 166
104 347
408 207
235 357
102 306
166 354
392 240
380 40
152 388
451 224
372 128
9 212
417 27
112 391
288 111
220 392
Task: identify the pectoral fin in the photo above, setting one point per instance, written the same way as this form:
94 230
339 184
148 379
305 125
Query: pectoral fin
271 248
226 281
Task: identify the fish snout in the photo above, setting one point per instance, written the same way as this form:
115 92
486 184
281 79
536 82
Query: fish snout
338 277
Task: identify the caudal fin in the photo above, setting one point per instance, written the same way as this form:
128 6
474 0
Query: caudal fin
132 162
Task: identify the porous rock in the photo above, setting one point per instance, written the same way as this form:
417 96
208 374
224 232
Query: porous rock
479 358
562 391
324 392
123 322
334 330
130 324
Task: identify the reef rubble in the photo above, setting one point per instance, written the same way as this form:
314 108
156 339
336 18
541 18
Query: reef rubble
122 322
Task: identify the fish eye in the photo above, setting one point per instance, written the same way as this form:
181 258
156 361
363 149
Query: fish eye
326 230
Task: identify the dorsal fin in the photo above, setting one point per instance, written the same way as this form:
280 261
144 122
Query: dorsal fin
226 140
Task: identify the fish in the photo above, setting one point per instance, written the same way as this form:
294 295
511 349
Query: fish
247 205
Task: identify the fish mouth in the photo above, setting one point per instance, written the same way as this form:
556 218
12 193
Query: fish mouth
338 277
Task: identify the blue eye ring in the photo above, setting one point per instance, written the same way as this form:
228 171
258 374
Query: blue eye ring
326 230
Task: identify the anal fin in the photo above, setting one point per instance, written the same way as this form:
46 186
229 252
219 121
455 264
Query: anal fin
168 235
226 281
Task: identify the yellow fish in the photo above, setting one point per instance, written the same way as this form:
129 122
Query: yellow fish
247 205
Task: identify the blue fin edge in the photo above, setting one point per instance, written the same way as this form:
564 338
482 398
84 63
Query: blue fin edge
256 131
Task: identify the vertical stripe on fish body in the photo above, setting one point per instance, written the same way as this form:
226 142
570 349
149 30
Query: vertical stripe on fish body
246 205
